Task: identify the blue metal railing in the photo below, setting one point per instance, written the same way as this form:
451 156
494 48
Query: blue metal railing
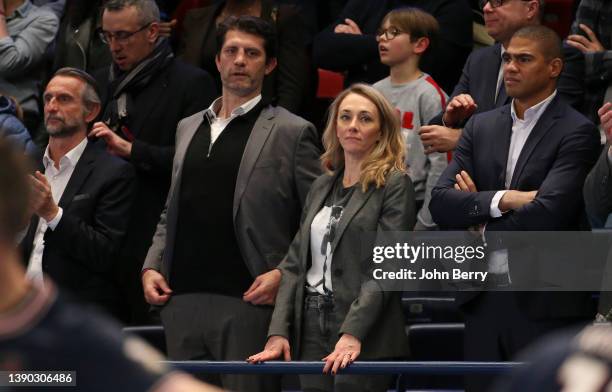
446 368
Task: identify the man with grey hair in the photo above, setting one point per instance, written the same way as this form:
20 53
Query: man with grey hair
146 92
81 196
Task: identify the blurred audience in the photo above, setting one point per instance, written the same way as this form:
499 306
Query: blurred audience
25 32
288 84
146 91
12 128
592 35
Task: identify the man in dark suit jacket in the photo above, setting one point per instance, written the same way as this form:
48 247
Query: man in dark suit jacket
516 168
481 87
242 169
146 92
82 196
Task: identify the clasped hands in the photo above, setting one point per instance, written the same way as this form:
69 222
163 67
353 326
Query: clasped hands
345 352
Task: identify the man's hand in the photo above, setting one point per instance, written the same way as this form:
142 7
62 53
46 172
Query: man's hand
464 182
605 117
165 28
588 44
42 203
275 347
155 287
348 27
437 138
513 200
114 143
459 109
346 351
264 288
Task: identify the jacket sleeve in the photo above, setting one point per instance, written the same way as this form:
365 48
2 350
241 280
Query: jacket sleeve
96 244
157 160
338 52
293 71
562 188
20 52
397 214
450 207
306 163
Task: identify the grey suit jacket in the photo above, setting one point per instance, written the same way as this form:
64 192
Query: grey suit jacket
280 161
372 315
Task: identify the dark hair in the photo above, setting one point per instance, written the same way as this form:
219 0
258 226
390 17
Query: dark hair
14 190
547 39
416 22
90 94
251 25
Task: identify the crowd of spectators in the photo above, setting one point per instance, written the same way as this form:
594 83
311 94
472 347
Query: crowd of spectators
178 176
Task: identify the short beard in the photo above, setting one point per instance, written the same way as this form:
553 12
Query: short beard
64 131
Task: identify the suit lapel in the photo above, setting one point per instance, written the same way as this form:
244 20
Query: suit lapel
79 175
259 134
542 127
491 73
355 203
503 133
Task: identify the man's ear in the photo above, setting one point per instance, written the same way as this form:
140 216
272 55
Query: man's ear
153 32
92 112
218 62
556 66
421 45
270 65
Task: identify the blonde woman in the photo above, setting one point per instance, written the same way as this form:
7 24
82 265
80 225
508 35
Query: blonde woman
323 309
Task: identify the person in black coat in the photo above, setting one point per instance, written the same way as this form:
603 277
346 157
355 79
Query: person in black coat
146 92
349 44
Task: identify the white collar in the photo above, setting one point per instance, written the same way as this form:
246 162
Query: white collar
71 158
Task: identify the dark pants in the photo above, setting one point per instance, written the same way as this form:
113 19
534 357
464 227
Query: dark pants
319 337
203 326
496 329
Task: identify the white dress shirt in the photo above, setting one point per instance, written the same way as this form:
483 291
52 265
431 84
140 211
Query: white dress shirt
500 73
217 125
58 179
521 129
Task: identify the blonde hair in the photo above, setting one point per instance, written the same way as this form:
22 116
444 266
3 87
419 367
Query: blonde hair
386 156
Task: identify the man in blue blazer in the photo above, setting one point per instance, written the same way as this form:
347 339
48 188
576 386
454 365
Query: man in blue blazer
481 88
519 167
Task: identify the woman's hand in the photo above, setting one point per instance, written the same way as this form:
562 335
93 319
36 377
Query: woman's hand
346 351
275 346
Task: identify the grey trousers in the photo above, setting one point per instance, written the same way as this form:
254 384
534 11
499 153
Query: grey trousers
319 337
202 326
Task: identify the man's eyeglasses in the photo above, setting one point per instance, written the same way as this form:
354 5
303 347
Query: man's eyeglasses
494 3
119 36
389 33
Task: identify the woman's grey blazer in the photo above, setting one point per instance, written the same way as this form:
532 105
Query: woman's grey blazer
364 310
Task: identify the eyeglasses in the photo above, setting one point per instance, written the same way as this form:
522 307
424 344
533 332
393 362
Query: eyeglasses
389 33
494 3
119 36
